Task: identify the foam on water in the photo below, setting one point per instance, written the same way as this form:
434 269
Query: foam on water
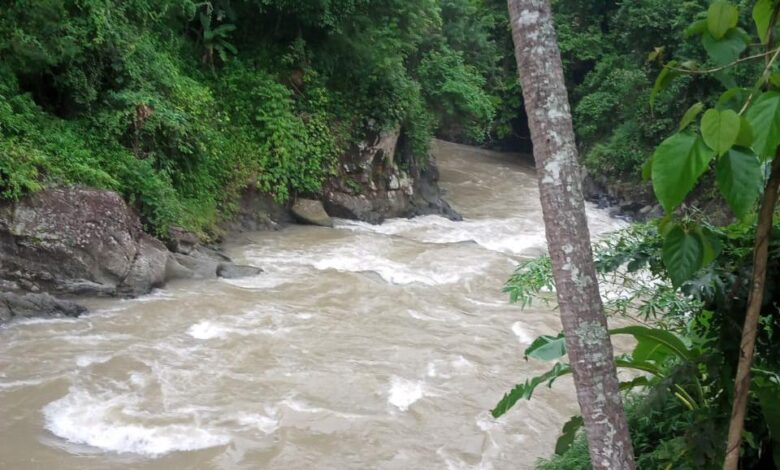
99 421
499 235
403 393
208 330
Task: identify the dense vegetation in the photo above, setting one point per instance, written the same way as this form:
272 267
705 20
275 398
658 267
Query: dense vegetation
706 295
179 104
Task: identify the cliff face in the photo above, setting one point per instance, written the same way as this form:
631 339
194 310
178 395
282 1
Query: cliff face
377 180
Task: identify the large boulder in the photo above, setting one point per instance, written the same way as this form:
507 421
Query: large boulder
78 241
310 211
14 305
378 180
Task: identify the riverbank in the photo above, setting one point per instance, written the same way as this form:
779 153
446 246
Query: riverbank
355 342
84 242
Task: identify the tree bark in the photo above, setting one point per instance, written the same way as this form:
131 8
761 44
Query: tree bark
582 314
748 344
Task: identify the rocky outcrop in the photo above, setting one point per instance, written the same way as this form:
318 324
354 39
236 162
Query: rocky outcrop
310 211
78 241
373 184
257 211
84 241
14 305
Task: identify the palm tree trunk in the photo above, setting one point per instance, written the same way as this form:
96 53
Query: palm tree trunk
568 238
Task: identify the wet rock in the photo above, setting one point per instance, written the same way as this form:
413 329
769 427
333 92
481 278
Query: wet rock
181 241
310 211
207 263
257 211
234 271
78 241
14 305
379 180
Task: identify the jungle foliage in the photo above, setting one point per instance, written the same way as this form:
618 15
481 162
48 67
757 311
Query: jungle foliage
180 104
707 294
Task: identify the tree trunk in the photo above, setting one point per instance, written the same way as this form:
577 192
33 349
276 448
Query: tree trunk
756 298
568 238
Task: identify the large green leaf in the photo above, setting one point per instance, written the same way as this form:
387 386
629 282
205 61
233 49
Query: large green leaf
690 115
725 50
762 15
746 136
683 254
568 433
733 98
665 77
764 118
525 391
740 179
721 17
547 348
655 344
677 164
720 129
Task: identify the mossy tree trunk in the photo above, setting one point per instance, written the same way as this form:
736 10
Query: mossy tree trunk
560 185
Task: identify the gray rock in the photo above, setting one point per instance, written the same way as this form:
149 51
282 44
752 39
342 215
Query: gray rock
372 186
207 263
78 240
234 271
13 305
312 212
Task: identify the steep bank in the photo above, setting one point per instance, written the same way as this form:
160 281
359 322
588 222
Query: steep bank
80 241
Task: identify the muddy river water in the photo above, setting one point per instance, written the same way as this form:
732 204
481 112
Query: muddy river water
360 347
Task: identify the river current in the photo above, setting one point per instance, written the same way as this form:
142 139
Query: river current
360 347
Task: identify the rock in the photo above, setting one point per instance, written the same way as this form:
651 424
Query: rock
181 241
13 305
311 212
78 241
208 263
393 182
352 206
234 271
257 211
372 186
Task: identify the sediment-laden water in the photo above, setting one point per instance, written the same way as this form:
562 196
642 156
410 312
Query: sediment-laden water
360 347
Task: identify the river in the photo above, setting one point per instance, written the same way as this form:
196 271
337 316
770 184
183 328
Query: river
360 347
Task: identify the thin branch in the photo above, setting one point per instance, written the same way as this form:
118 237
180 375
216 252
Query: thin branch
723 67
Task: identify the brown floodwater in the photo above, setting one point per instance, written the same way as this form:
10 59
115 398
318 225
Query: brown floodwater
360 347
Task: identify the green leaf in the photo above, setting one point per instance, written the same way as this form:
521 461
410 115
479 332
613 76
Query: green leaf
655 344
764 118
762 15
725 50
647 169
690 115
547 348
525 391
733 98
720 129
568 433
640 381
721 17
695 28
682 255
663 80
740 179
711 246
677 164
746 136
